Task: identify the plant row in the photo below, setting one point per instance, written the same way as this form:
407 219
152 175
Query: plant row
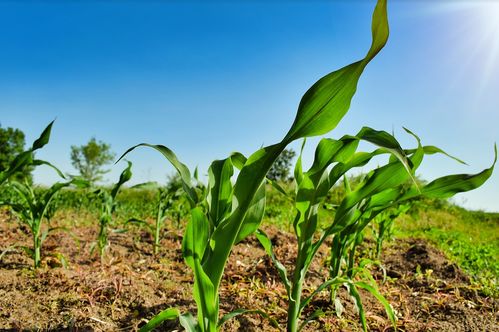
231 205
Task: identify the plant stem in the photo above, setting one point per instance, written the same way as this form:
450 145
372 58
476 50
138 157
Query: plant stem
157 229
36 247
102 238
294 307
296 290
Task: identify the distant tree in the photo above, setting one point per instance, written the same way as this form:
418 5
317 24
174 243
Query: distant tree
12 144
280 171
90 158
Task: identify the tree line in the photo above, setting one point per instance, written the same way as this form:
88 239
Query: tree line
91 158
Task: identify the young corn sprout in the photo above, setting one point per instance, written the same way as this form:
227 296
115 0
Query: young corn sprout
381 189
33 207
108 206
231 212
167 198
382 228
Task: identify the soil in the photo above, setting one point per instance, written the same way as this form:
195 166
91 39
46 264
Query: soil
76 290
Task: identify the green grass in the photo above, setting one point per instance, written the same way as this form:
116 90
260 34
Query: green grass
469 238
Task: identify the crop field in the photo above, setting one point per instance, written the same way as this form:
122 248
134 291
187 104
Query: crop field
257 245
432 282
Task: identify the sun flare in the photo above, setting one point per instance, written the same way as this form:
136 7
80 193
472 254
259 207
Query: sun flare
475 28
489 11
488 39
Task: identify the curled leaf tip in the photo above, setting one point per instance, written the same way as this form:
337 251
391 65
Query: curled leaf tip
410 132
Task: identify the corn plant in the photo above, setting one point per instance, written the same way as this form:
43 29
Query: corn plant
381 189
108 206
333 158
31 206
382 227
167 197
231 212
364 212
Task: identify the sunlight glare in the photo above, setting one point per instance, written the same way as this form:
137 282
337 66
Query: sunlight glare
488 12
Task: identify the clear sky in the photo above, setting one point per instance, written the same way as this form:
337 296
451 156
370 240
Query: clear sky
208 78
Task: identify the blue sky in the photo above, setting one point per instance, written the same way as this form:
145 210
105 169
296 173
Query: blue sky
209 78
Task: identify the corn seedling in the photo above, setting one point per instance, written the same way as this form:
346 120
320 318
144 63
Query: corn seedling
229 213
373 197
333 158
381 189
167 197
108 206
382 227
33 207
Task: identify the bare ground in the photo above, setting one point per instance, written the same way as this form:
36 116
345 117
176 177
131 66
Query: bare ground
130 285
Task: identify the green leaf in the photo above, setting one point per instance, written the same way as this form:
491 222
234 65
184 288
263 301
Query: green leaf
80 182
330 282
281 269
305 200
336 152
316 314
21 160
149 185
193 247
298 170
430 149
383 139
124 177
248 182
381 299
182 169
358 303
238 312
327 101
63 260
189 322
383 198
358 159
254 215
280 189
26 158
140 223
30 252
450 185
388 176
42 208
27 195
195 237
325 154
38 162
44 137
206 298
220 189
167 314
238 160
